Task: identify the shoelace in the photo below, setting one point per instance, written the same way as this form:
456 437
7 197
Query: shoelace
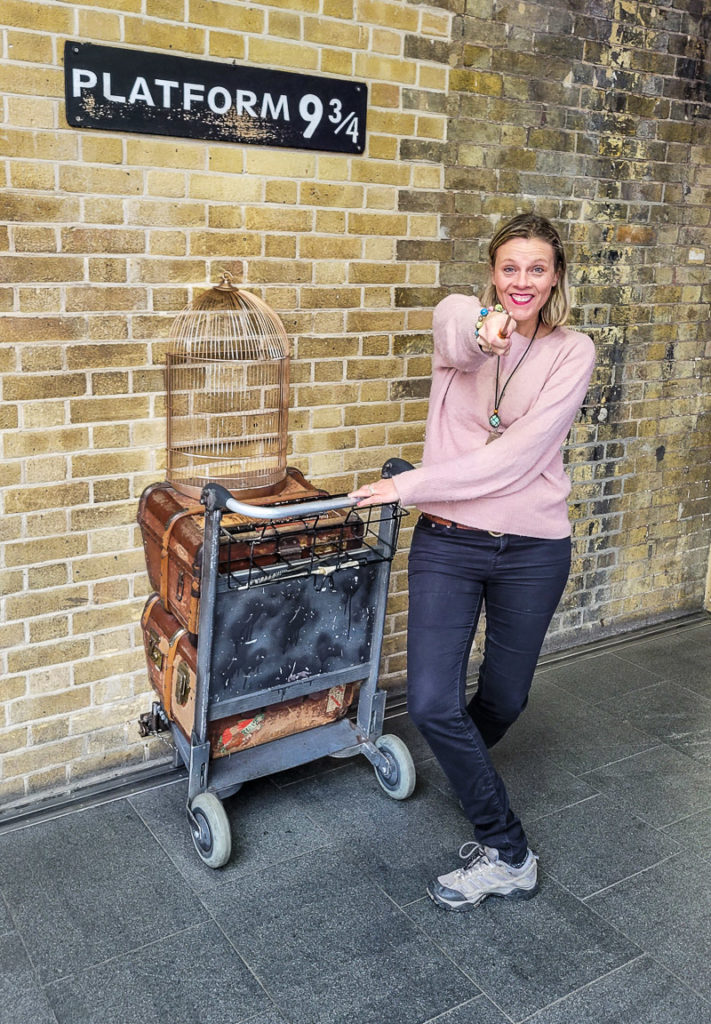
472 852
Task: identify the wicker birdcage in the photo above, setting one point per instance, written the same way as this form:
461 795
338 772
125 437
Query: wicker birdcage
228 394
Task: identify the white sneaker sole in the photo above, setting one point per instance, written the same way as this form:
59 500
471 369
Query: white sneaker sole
448 903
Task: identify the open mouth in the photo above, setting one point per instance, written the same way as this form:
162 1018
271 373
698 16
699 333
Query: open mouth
520 300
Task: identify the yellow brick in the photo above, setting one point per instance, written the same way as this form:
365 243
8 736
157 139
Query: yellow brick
103 669
108 270
47 471
48 731
30 111
102 210
185 39
35 240
13 739
46 550
323 247
85 569
228 44
326 32
404 18
97 297
98 25
42 630
112 590
94 765
334 168
10 583
338 298
268 219
85 722
168 184
389 69
383 147
39 145
41 268
46 523
97 180
318 194
383 41
284 25
431 127
286 164
39 577
17 206
154 214
149 271
382 172
217 15
42 415
95 465
30 175
112 641
282 55
38 386
330 222
480 82
39 300
336 62
32 498
103 240
48 781
34 758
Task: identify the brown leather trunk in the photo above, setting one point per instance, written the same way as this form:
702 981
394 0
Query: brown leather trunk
171 657
173 530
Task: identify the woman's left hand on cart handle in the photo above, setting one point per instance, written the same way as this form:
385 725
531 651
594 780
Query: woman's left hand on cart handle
380 492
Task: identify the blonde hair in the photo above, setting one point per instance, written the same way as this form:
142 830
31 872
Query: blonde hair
531 225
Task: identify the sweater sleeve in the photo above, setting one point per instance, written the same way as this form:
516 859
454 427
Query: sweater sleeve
524 450
453 325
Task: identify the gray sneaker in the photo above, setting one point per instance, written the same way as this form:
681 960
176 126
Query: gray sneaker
484 875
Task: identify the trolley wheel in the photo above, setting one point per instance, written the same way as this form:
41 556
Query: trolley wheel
212 837
400 781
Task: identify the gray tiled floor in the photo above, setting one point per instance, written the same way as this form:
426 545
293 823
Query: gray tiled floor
107 916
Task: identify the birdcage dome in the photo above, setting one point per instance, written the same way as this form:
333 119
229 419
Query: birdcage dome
228 392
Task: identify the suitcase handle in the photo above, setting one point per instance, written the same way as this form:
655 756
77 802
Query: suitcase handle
216 496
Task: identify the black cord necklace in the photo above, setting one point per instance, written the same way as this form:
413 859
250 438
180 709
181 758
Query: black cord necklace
495 419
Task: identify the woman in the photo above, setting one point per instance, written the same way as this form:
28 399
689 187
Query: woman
508 381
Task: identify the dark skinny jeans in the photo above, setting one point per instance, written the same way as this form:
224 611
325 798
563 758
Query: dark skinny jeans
519 581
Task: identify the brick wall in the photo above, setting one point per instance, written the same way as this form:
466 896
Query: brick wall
597 114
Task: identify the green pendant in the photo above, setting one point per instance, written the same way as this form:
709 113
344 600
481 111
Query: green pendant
494 419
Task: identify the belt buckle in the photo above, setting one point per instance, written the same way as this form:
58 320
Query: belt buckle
494 533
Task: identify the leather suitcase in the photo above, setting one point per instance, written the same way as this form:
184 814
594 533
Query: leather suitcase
228 735
171 657
172 529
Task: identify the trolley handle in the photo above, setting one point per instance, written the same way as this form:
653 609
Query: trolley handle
216 496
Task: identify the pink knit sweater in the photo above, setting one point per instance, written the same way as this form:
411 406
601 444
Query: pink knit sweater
517 483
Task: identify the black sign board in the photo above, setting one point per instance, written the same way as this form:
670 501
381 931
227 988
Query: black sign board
162 94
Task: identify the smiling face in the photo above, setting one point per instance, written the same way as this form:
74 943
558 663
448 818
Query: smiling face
524 275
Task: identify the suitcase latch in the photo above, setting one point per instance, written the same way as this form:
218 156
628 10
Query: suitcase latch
180 586
182 684
154 651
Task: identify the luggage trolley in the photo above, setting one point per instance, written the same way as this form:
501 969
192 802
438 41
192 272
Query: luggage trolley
295 626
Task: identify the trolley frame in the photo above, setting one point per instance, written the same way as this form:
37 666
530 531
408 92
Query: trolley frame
344 737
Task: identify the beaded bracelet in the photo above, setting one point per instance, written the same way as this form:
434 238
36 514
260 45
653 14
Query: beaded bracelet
483 313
